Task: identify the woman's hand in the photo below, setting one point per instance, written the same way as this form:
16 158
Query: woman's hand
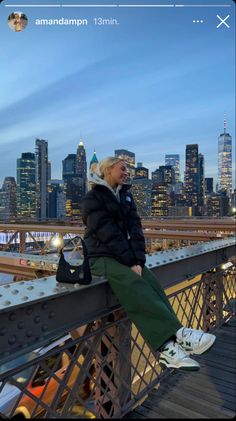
137 269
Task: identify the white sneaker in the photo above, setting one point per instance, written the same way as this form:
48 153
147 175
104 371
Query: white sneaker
173 356
194 341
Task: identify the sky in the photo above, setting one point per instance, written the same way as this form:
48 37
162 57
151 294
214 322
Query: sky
149 79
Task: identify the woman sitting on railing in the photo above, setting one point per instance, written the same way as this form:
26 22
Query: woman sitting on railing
116 250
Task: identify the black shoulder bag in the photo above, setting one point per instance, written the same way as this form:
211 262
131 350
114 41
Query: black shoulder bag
70 274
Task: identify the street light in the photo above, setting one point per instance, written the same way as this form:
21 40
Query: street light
58 242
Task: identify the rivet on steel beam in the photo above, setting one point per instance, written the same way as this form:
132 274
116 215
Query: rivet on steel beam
21 325
44 306
12 340
44 328
41 293
7 303
25 298
3 331
30 288
12 316
37 319
56 289
15 291
157 263
51 315
21 283
6 286
29 311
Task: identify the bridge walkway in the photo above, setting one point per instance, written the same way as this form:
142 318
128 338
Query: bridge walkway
208 393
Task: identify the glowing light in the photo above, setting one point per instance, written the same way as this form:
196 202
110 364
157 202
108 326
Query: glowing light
57 242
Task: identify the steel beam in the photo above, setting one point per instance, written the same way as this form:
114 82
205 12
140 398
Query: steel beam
32 312
28 264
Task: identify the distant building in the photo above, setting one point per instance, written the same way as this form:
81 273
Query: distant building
8 200
178 188
57 200
180 211
42 167
225 162
209 185
161 199
233 202
80 177
174 161
165 174
201 183
142 193
192 177
68 175
129 159
94 159
141 171
217 205
26 186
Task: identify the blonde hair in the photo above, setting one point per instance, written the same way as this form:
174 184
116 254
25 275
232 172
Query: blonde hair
106 163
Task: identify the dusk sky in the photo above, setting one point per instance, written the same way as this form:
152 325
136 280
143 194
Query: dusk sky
151 84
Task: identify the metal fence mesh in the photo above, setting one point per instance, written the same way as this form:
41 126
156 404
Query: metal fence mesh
104 369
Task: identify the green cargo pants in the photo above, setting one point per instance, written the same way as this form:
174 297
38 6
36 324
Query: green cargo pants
142 297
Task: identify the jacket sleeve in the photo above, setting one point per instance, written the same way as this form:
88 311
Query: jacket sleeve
137 239
99 222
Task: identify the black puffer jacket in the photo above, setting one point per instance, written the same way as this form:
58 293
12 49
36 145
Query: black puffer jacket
113 228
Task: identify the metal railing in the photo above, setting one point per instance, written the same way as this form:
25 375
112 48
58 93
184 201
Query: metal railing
104 367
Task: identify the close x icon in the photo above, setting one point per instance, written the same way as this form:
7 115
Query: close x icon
223 21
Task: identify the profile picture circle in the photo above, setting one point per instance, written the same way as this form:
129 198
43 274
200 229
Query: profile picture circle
17 21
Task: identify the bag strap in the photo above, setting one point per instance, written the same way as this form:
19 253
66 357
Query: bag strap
85 252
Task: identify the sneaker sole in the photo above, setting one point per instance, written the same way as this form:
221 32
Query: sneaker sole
165 366
203 350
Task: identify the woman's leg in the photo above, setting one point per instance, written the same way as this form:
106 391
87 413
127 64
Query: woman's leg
152 279
146 306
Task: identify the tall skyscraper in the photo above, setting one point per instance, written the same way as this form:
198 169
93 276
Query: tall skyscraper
201 182
41 178
8 200
142 193
129 159
161 199
26 186
174 161
68 175
225 162
80 175
57 200
192 177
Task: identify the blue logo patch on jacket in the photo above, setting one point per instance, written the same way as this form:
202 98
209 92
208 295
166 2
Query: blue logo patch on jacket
128 199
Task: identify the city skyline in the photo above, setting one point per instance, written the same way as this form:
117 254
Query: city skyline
137 160
126 87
